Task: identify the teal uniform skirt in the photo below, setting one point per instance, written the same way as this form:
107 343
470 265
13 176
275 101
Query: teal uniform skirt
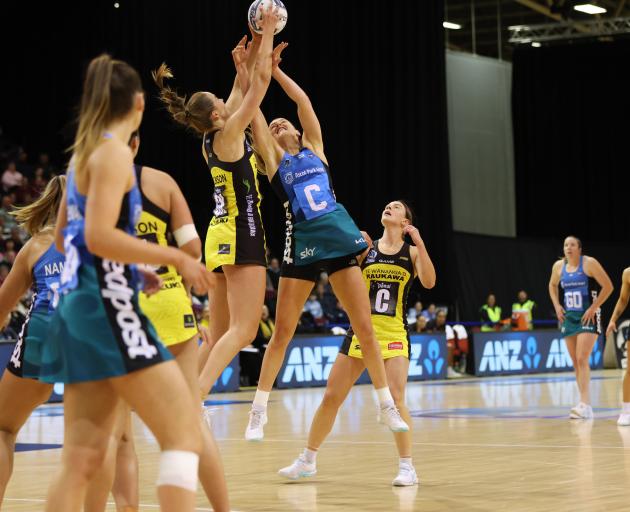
572 324
98 330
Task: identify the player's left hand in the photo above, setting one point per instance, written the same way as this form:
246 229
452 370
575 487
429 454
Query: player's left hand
276 57
589 316
152 282
412 231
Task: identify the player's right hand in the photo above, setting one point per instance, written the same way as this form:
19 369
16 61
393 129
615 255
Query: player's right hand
560 312
195 273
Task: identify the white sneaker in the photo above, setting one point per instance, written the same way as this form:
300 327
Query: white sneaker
406 476
254 430
581 411
624 420
452 374
299 469
390 416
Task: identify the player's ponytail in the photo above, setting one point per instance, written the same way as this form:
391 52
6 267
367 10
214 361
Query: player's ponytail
193 114
109 90
42 213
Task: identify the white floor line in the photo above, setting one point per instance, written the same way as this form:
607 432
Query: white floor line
142 505
454 445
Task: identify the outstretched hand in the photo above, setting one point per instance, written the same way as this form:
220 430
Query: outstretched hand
276 57
239 53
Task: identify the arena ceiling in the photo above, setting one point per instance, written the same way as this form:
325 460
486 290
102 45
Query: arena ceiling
485 22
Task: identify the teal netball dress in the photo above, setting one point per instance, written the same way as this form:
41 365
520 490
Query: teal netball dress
579 291
98 330
25 360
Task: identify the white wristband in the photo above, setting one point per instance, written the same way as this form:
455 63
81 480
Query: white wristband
185 234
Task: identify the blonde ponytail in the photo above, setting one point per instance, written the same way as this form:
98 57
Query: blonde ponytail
43 212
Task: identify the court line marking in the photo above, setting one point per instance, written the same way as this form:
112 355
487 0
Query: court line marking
455 445
146 505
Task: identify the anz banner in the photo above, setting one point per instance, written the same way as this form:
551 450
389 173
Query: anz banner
309 359
512 353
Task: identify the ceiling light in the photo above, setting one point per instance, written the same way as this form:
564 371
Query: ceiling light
452 26
590 9
536 44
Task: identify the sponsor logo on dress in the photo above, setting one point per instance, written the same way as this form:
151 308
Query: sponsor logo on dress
189 320
358 241
308 253
120 295
288 177
396 345
224 249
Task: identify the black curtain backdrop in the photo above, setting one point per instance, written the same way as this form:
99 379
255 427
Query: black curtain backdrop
503 266
571 106
375 73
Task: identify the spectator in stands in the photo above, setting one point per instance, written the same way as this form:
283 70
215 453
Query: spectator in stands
325 298
323 278
9 257
12 178
37 185
273 271
22 164
438 324
420 325
18 237
338 315
43 163
430 313
265 330
523 312
490 314
8 221
314 308
414 313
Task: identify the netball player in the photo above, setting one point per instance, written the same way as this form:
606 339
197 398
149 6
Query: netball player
320 236
389 268
166 220
579 276
102 346
235 242
620 307
37 265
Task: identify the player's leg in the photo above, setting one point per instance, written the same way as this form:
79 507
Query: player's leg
18 398
292 294
349 287
344 373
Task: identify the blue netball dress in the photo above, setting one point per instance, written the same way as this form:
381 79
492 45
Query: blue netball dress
318 228
26 358
579 292
98 330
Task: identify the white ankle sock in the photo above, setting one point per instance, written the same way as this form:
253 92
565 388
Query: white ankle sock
384 397
625 407
405 461
261 397
310 455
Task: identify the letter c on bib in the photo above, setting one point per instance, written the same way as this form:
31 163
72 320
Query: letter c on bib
316 207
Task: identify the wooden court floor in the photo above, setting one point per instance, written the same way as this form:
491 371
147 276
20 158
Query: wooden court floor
500 444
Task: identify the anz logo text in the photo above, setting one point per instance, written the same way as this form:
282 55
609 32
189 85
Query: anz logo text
309 364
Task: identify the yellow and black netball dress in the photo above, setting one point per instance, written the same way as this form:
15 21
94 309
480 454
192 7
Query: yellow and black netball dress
170 309
235 234
388 279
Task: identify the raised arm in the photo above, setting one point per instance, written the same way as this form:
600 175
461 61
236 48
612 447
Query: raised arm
554 281
236 96
109 180
312 131
421 260
239 120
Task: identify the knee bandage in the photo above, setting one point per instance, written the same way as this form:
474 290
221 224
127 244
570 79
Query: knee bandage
179 469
